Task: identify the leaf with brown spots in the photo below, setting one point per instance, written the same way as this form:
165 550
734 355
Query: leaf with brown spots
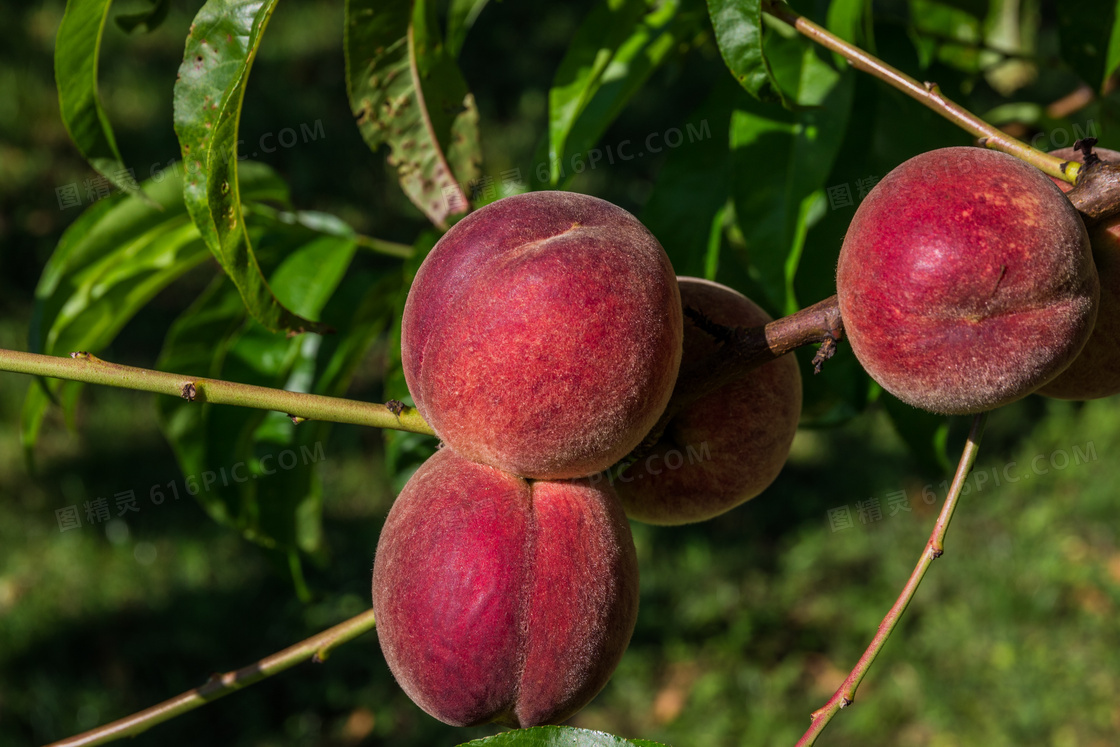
407 93
209 92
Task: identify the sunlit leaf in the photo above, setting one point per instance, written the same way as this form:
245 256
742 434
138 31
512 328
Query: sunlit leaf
407 93
739 34
693 187
76 50
220 49
111 262
617 47
273 495
781 162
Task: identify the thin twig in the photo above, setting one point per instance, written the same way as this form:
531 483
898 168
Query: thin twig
92 370
927 93
935 546
317 648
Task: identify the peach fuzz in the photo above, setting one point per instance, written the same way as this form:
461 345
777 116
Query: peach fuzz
1096 372
729 445
499 599
542 335
965 281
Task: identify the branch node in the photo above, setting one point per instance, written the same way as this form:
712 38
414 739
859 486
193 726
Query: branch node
845 701
1085 146
935 553
395 406
297 419
80 355
189 392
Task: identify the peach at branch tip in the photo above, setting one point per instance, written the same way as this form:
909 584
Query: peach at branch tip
965 281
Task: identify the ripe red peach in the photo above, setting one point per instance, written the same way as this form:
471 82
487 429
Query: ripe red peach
1096 372
542 335
726 447
499 599
965 281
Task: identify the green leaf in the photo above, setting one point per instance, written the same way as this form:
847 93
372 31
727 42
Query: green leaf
407 93
558 736
461 15
277 500
148 20
851 21
738 27
110 263
1090 37
76 50
618 45
220 49
781 162
693 187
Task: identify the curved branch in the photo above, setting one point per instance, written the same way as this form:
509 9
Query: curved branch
927 93
935 546
316 648
300 407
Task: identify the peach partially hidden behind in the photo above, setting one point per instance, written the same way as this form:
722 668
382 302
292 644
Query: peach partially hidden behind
542 335
499 599
965 281
1096 372
729 445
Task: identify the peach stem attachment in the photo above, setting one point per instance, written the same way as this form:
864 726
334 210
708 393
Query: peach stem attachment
934 548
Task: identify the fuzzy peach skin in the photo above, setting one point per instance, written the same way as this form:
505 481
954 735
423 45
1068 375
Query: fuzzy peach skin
726 447
965 281
1096 372
500 599
542 335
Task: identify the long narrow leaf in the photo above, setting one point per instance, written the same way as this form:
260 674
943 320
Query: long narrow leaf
221 46
781 161
263 469
76 51
617 47
738 27
407 93
109 263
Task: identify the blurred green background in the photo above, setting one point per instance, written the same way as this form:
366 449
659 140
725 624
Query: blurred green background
747 623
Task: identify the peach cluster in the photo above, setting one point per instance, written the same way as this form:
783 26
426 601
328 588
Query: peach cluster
542 340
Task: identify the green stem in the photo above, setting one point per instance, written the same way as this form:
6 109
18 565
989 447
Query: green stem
935 546
381 246
927 93
317 647
299 406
